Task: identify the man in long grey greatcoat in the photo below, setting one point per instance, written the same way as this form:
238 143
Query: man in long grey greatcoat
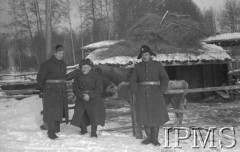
149 81
51 79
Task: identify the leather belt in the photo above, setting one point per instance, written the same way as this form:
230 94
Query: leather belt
149 83
55 81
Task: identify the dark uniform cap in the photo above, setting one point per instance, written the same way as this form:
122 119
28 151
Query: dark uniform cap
85 62
145 49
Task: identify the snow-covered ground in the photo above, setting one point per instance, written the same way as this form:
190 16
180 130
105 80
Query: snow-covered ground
19 131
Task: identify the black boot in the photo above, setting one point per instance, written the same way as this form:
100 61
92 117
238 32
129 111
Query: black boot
44 126
51 130
52 135
94 131
83 129
148 133
56 126
154 136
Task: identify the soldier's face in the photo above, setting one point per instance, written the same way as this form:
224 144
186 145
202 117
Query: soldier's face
59 55
146 57
86 69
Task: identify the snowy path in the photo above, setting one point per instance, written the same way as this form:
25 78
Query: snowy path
19 131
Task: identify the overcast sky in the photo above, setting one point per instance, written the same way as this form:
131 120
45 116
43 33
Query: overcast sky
203 4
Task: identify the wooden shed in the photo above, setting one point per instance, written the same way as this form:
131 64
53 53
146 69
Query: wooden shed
205 67
230 42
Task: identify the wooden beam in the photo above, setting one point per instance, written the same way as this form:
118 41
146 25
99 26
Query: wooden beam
205 109
196 90
18 83
223 94
19 74
15 96
15 92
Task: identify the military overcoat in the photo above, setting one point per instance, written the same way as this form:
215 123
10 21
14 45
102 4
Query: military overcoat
151 109
91 84
54 94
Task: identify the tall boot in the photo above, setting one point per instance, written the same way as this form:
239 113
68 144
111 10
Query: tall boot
51 130
94 131
56 126
154 136
148 133
44 126
83 129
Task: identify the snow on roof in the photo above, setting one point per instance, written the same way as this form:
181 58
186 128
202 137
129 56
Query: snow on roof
222 37
95 55
208 52
100 44
123 60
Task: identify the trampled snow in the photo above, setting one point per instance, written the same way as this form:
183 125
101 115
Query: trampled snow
19 131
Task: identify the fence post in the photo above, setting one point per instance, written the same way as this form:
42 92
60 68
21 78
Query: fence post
137 130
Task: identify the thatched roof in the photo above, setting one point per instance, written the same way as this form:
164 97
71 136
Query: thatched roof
173 39
208 53
170 30
223 37
224 40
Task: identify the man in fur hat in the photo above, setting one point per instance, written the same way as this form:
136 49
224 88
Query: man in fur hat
89 107
149 81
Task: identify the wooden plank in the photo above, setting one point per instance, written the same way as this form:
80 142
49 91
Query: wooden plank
4 83
223 94
15 96
137 130
195 90
132 115
19 74
205 109
15 92
17 83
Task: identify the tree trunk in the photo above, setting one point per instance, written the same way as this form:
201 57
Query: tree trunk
11 58
71 31
93 20
48 29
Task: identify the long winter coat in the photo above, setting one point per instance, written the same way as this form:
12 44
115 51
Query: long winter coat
92 84
54 94
150 104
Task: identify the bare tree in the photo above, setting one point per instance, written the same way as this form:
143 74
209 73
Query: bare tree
67 5
209 20
230 17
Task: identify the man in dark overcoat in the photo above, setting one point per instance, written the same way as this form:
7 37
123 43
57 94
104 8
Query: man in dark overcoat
149 81
51 79
89 107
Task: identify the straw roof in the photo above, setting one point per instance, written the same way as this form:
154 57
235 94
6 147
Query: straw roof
208 53
172 39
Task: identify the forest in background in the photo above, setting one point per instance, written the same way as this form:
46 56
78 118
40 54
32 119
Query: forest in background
23 45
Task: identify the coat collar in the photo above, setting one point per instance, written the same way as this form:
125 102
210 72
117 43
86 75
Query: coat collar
149 63
55 60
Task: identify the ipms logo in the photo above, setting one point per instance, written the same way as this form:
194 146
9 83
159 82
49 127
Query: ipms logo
214 138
